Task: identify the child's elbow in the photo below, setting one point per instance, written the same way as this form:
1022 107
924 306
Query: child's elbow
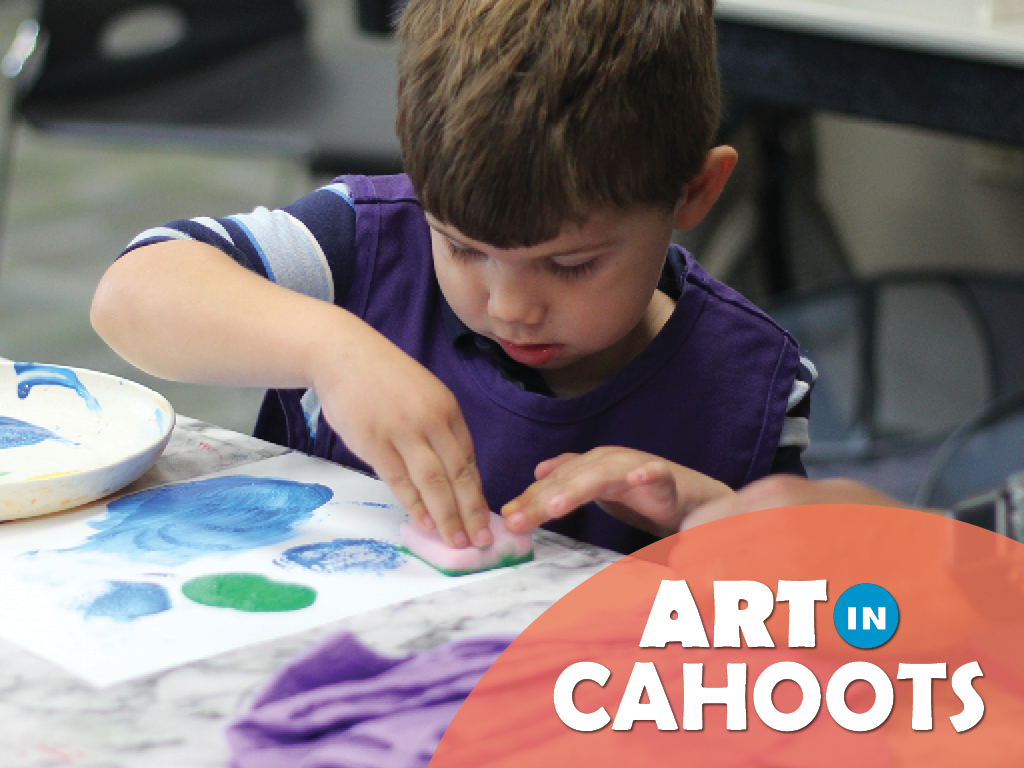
112 310
103 312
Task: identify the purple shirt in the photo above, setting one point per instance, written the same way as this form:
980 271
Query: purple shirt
709 392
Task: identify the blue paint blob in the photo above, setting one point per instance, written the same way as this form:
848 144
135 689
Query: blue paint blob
378 504
15 433
342 555
36 374
129 600
174 524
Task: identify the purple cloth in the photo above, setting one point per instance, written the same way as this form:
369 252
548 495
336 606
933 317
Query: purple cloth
340 705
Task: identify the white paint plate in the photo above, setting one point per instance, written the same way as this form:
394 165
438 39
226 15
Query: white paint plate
69 436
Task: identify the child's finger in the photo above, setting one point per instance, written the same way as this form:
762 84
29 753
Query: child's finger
428 473
651 473
515 511
531 507
392 470
654 489
456 451
589 484
560 493
548 466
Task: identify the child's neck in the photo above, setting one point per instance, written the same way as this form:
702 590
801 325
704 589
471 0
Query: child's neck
594 370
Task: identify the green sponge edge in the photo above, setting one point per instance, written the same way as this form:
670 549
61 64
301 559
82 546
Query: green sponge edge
506 561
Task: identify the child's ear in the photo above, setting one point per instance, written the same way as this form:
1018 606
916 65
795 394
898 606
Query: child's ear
702 193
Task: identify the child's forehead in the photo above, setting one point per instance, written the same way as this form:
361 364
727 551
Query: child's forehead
603 227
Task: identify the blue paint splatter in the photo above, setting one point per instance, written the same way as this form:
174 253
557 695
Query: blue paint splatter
177 523
343 555
15 433
379 504
129 600
36 374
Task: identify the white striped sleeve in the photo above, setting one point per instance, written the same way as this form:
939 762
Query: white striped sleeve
795 432
290 254
307 246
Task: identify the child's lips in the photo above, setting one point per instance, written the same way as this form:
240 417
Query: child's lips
531 354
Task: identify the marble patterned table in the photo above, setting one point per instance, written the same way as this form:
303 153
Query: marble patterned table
176 718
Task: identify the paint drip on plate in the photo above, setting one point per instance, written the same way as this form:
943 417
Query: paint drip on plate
37 374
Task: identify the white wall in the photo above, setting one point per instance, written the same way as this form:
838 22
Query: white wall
908 198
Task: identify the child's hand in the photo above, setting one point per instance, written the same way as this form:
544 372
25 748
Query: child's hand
636 487
405 423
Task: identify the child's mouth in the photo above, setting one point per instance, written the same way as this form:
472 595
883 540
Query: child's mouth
531 354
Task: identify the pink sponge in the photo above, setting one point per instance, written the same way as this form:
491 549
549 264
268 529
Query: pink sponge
507 549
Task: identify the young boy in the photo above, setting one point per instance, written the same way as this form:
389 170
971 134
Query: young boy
512 309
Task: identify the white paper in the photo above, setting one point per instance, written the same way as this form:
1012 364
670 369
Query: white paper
84 589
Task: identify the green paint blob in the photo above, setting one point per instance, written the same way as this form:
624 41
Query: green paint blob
248 592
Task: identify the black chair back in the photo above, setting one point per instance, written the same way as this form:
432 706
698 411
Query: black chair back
379 16
79 59
904 359
977 457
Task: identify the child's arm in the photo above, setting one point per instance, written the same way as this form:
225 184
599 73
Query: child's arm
777 491
638 488
183 310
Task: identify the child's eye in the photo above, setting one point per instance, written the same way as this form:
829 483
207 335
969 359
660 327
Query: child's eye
461 253
575 272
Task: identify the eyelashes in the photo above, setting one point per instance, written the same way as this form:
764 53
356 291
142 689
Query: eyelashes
463 254
575 272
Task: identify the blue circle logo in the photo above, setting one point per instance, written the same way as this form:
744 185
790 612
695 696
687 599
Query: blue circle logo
866 616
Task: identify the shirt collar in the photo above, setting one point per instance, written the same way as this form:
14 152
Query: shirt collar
457 330
465 339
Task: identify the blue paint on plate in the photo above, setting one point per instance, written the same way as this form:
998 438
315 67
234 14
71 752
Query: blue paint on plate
342 555
174 524
15 433
129 600
37 374
379 504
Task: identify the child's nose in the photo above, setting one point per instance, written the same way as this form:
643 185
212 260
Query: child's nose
514 304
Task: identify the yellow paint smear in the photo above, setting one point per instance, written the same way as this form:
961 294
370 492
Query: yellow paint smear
53 474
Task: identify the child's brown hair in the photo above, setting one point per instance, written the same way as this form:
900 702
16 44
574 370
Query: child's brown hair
517 116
